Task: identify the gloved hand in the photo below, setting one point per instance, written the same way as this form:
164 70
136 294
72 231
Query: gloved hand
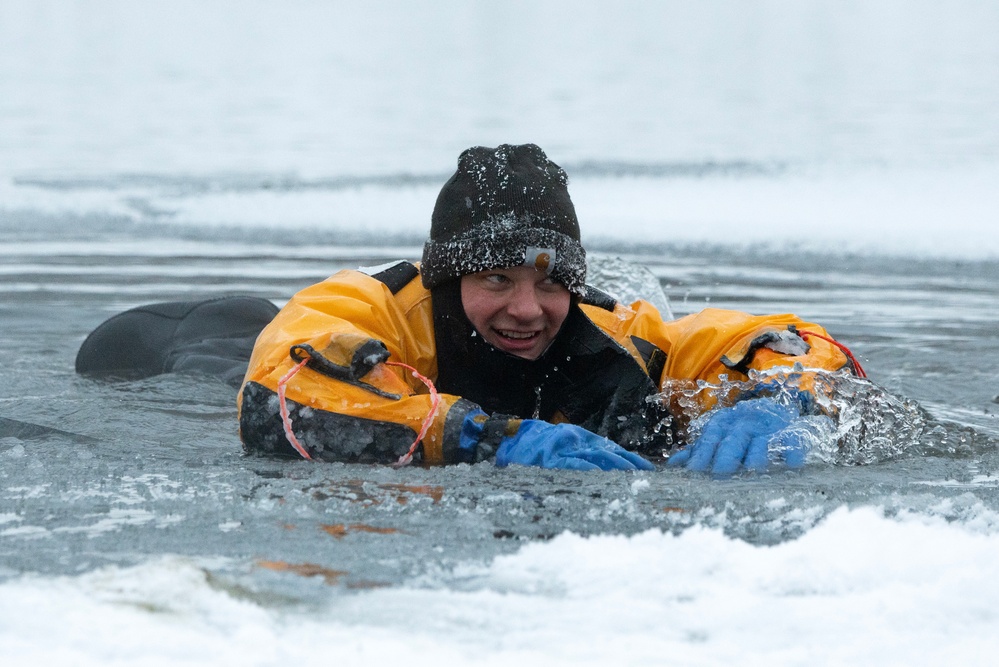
538 443
746 435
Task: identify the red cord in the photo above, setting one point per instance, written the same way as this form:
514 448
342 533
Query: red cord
285 416
405 459
844 348
435 404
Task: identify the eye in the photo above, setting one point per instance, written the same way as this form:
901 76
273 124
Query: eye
496 278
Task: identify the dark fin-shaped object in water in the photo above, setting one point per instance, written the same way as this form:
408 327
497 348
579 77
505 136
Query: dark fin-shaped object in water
14 428
214 336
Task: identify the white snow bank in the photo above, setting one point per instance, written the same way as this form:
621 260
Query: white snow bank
858 589
933 213
944 213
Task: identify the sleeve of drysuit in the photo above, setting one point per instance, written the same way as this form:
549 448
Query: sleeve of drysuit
347 403
714 343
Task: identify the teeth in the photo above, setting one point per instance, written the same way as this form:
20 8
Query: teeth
517 334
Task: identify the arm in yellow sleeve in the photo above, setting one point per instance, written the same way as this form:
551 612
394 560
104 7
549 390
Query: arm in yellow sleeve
346 404
714 344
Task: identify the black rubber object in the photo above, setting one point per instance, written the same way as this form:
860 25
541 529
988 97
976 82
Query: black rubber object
213 336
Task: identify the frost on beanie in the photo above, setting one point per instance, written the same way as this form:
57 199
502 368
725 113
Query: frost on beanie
504 207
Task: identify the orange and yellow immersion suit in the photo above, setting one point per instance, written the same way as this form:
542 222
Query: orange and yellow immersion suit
347 405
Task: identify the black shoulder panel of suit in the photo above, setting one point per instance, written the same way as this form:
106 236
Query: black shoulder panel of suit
600 386
599 298
653 356
397 276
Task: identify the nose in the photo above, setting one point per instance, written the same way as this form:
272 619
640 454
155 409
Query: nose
524 304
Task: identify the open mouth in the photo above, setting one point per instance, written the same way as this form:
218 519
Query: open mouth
517 335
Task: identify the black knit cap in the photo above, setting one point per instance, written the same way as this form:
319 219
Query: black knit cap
504 207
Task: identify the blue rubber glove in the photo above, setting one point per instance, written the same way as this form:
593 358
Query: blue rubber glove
746 435
538 443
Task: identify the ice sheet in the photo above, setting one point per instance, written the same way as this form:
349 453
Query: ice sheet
857 589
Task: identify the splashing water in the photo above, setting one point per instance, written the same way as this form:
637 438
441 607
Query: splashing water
857 422
627 282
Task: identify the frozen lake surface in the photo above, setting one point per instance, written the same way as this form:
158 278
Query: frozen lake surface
836 162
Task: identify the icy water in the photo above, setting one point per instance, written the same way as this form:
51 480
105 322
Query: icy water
836 161
154 466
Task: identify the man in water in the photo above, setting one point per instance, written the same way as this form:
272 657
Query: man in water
494 348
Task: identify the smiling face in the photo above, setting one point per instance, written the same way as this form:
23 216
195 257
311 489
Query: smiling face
518 310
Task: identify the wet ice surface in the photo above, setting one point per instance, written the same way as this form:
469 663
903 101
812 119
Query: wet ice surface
156 468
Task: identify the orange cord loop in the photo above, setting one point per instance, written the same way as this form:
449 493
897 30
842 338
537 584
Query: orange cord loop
405 459
435 404
285 416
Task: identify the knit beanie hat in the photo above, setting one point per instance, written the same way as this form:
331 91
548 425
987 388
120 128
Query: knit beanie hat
505 207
